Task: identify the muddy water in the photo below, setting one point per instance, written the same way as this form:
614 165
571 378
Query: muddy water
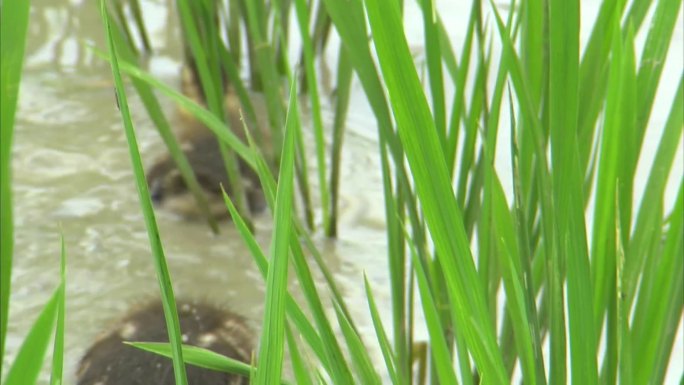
72 175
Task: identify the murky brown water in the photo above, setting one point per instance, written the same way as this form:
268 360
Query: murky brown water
72 174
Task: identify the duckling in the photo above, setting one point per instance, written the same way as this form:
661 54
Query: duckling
167 187
111 362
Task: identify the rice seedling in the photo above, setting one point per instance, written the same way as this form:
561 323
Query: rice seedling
13 25
29 359
570 276
168 300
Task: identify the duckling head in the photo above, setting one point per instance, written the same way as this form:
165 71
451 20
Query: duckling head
169 191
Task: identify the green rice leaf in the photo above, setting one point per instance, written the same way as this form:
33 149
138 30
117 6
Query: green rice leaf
344 81
567 186
13 26
265 57
653 56
662 298
338 365
270 358
303 21
434 61
507 249
385 346
168 301
624 342
438 346
358 352
350 24
650 210
593 75
531 125
299 368
199 357
427 162
56 376
137 15
26 366
614 171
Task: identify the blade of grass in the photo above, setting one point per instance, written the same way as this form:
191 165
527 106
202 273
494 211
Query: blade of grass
381 334
509 261
396 260
525 248
303 21
195 21
168 301
427 162
458 106
256 24
339 367
231 13
567 186
120 14
624 345
13 26
651 204
298 367
662 298
531 123
26 366
533 22
201 357
613 165
637 12
438 344
343 83
56 376
434 61
470 139
138 17
593 75
350 24
279 35
358 352
507 251
270 357
653 57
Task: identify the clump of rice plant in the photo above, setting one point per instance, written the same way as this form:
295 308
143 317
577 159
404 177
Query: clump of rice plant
568 277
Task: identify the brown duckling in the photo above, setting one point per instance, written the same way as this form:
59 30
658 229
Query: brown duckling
111 362
167 187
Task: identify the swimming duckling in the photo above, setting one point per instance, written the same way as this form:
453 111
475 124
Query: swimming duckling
167 187
111 362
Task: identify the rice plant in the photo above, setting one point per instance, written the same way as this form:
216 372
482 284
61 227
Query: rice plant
569 277
29 359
